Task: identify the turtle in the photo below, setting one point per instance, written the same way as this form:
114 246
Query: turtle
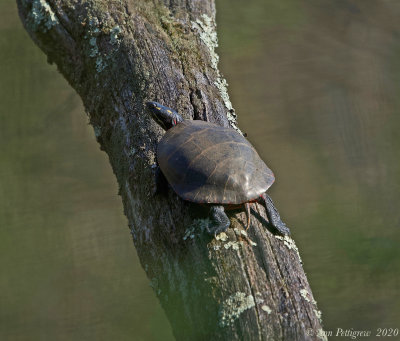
208 164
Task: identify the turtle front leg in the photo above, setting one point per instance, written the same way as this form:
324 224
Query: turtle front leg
273 214
219 220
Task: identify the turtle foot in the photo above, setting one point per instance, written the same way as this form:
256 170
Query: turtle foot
219 221
273 215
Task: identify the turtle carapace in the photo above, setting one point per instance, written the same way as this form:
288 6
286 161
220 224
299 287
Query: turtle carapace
208 164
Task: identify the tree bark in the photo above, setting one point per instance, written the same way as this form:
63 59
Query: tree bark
118 54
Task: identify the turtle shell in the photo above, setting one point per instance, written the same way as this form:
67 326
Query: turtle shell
206 163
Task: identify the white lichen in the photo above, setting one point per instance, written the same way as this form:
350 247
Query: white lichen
233 306
208 34
206 29
240 232
97 131
115 31
222 236
92 33
307 296
233 245
220 239
266 309
318 314
290 244
42 16
189 233
222 86
100 64
259 298
94 50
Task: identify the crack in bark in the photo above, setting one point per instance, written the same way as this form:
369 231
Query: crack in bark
254 296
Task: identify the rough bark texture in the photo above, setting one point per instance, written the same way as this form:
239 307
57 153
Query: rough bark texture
117 54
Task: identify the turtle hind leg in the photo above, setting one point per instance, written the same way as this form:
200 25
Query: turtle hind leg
273 214
219 221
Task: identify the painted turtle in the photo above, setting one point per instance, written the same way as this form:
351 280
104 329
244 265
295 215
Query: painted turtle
209 164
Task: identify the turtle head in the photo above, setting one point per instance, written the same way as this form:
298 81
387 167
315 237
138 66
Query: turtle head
164 116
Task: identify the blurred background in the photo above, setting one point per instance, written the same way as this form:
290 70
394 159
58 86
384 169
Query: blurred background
316 86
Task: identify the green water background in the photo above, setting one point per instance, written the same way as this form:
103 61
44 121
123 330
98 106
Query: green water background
316 87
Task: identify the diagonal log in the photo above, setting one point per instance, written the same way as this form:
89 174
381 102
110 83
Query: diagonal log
118 54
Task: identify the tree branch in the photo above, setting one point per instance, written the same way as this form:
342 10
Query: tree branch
119 54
